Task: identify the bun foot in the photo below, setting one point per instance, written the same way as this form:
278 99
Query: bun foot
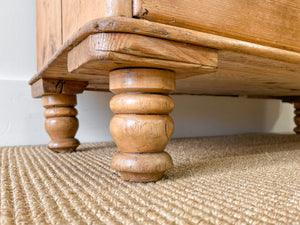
141 127
63 145
61 123
141 167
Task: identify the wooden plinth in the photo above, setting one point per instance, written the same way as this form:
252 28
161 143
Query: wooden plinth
61 123
297 117
141 127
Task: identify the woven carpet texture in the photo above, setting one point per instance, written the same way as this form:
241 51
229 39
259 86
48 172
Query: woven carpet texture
240 179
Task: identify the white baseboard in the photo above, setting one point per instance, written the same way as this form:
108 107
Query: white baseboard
22 121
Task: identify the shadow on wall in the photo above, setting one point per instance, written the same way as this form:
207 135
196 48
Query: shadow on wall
212 116
94 116
193 116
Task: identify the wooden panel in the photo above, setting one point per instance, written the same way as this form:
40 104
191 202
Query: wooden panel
273 23
246 75
48 23
77 13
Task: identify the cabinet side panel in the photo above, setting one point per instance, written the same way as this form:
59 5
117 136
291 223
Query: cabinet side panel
76 13
48 22
274 23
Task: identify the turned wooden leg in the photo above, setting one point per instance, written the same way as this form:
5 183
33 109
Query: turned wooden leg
61 123
141 127
297 117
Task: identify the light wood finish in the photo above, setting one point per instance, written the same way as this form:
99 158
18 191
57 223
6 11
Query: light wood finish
226 52
55 86
146 103
61 123
146 28
162 81
48 23
253 59
77 13
141 131
271 23
245 75
59 99
103 52
155 164
297 117
239 74
58 20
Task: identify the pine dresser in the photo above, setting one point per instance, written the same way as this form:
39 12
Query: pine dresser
144 50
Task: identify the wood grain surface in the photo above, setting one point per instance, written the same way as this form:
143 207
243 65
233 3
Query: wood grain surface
55 86
245 75
154 163
76 13
48 25
254 67
141 133
58 20
272 23
142 104
139 128
100 53
158 81
61 123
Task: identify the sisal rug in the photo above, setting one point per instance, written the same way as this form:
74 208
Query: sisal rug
241 179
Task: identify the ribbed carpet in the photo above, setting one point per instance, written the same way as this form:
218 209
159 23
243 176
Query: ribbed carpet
242 179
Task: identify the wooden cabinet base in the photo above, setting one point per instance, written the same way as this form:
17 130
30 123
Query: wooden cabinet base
255 53
141 127
297 117
61 123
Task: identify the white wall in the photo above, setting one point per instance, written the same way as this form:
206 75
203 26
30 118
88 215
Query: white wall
17 39
21 117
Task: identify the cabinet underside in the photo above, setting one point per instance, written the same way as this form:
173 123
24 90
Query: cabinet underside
242 68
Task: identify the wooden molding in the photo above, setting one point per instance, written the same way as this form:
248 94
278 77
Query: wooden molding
100 53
